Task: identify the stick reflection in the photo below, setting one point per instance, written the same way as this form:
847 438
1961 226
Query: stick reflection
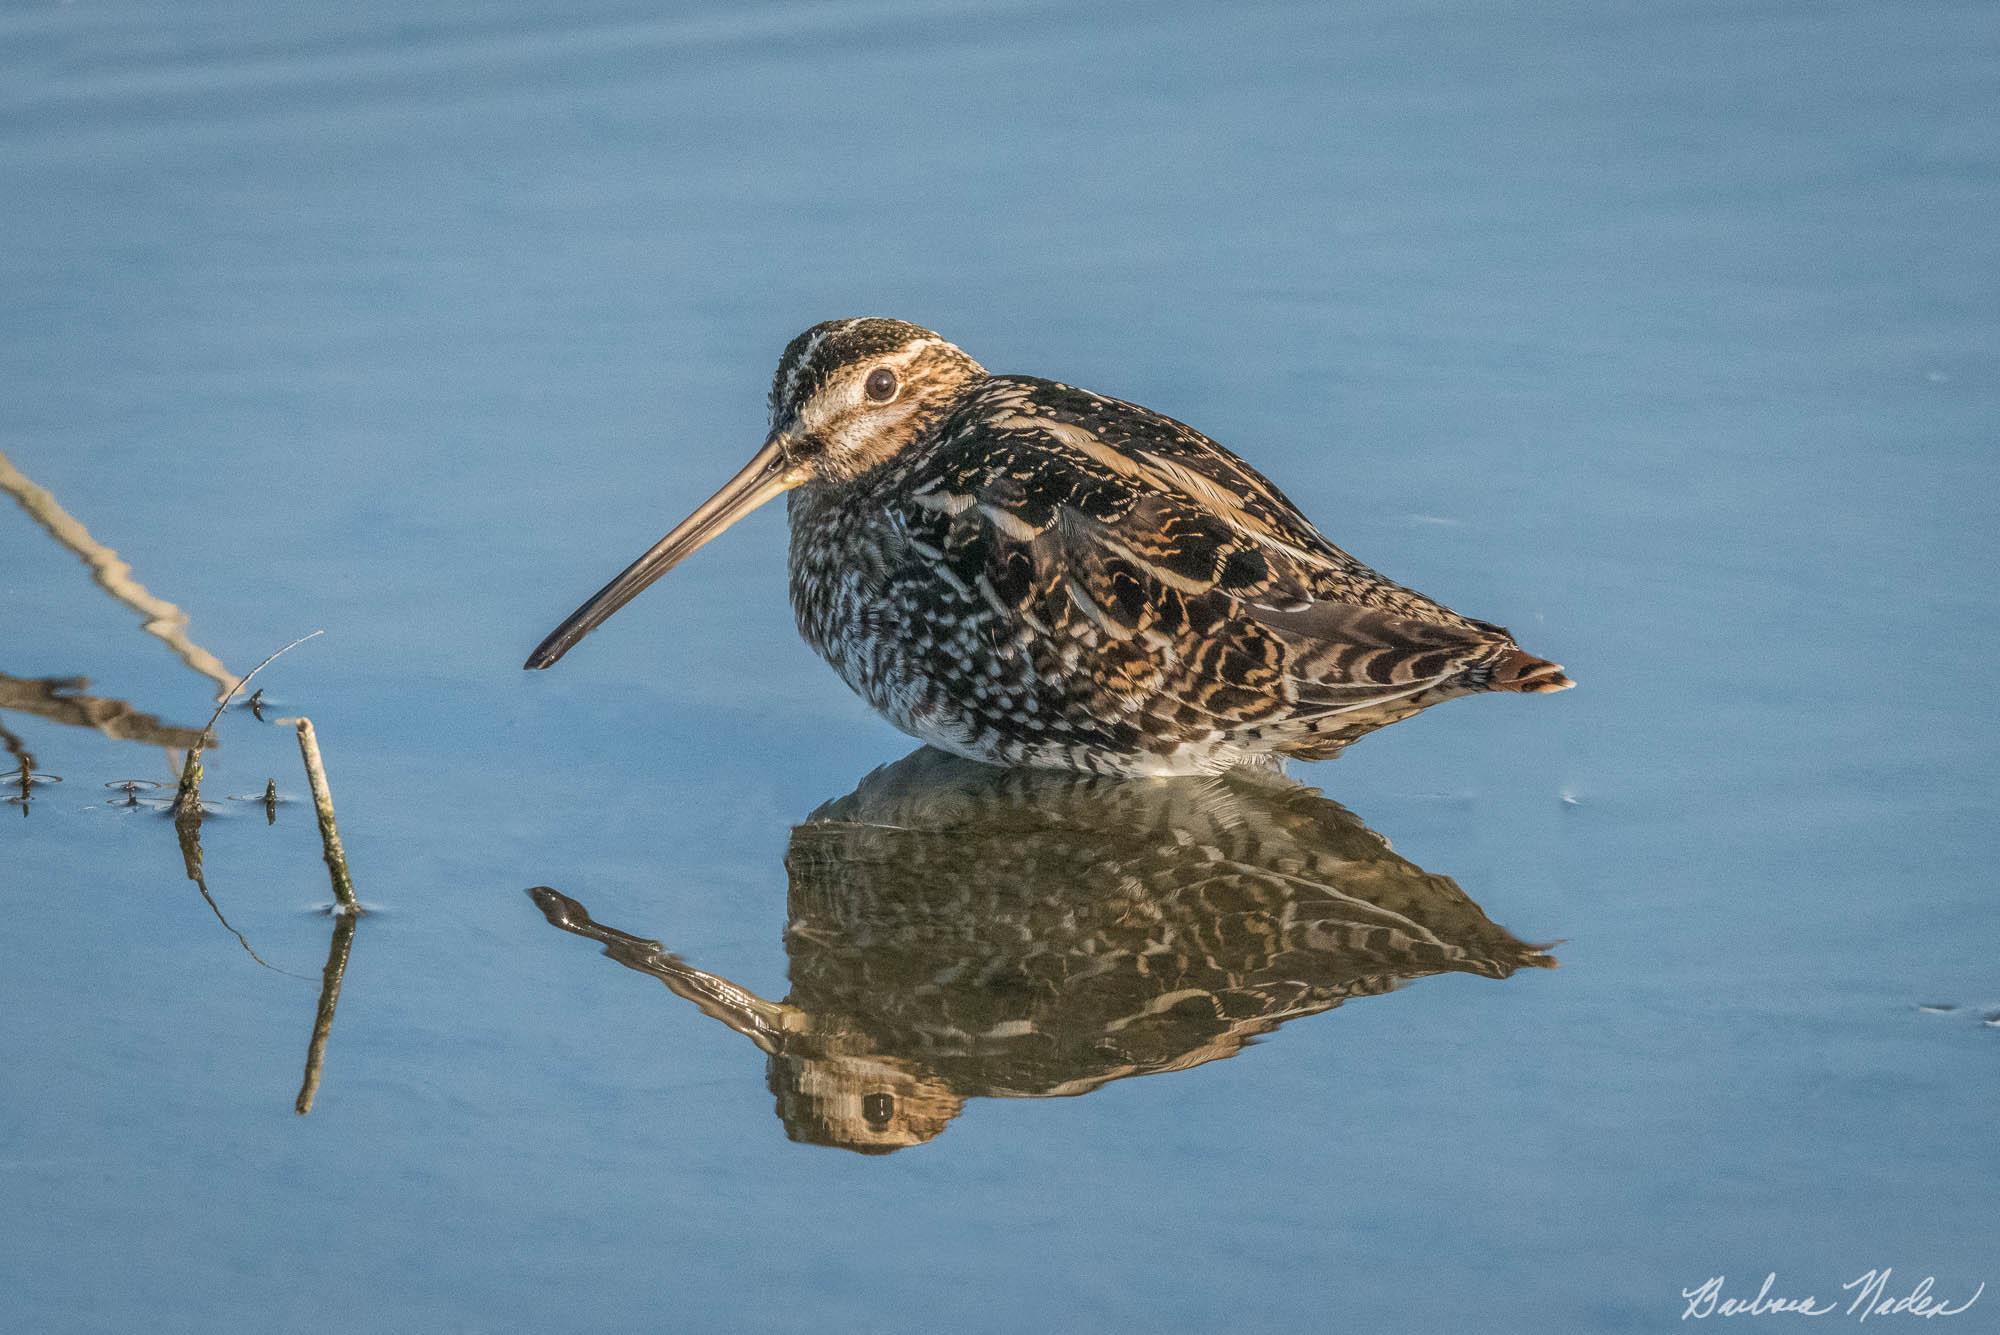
165 621
957 931
62 700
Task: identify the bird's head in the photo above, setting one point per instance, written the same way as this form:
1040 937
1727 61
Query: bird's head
848 395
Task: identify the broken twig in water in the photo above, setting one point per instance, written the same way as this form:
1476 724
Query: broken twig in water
188 810
329 832
345 914
187 798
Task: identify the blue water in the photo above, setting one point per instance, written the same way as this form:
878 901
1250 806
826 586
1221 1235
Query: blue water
1665 334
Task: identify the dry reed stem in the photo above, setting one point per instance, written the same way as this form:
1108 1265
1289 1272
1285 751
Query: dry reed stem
329 832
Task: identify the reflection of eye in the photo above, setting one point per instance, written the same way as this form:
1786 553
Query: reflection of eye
878 1109
881 384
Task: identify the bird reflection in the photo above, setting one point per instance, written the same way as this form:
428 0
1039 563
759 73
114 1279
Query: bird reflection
958 931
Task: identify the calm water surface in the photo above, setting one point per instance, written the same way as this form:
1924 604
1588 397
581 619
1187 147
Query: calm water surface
1664 334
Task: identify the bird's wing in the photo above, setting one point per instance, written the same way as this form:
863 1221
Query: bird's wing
1175 570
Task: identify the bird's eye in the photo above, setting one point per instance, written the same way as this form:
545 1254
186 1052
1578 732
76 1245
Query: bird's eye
881 384
878 1109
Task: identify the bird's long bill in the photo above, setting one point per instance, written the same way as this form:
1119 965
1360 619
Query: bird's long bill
766 476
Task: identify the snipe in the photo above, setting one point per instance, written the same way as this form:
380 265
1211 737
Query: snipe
1025 573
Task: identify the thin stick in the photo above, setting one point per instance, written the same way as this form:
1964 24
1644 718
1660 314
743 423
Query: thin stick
344 916
329 998
187 798
329 833
187 802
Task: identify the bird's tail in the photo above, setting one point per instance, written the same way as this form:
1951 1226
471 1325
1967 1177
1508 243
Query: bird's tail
1518 670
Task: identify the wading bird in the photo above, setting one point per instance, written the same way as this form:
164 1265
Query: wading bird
1029 574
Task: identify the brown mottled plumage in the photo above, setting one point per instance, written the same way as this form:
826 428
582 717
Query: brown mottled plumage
1026 573
957 931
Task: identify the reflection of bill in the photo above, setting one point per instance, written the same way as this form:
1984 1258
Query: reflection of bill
958 931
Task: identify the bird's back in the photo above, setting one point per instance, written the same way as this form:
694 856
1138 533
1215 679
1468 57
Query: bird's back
1055 577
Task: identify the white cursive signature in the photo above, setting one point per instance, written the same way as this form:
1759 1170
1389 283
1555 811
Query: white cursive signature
1870 1290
